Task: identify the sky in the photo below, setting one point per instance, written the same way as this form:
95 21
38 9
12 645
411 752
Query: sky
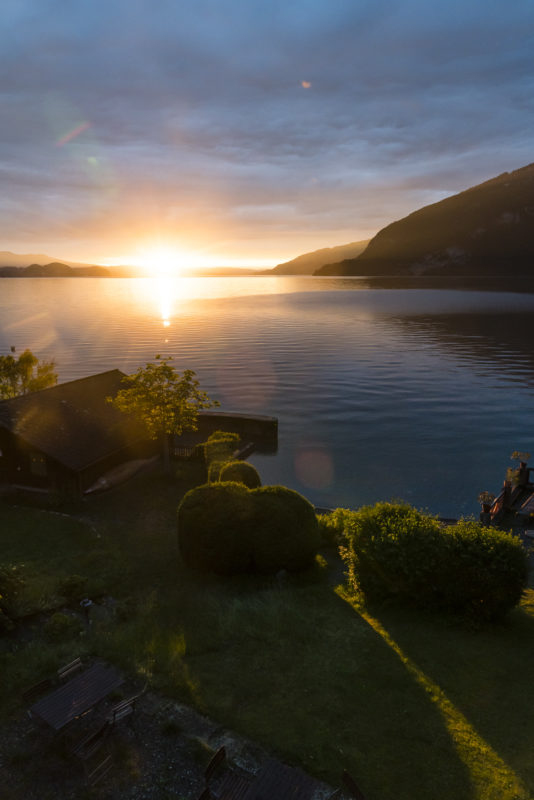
247 132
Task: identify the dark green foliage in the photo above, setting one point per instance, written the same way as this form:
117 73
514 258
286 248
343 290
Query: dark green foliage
218 449
25 374
391 549
395 551
241 472
73 587
226 528
214 471
214 526
286 534
10 585
484 570
224 436
61 627
331 526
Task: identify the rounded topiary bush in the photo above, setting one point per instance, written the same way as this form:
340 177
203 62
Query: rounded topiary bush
241 472
214 524
227 528
286 532
393 550
220 446
214 471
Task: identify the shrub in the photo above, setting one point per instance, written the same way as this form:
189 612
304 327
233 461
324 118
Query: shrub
218 449
224 436
484 570
226 528
220 446
240 472
286 533
73 587
393 550
214 523
214 471
61 627
332 526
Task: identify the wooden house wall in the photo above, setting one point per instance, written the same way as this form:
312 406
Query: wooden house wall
23 465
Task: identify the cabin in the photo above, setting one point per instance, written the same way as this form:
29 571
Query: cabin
65 438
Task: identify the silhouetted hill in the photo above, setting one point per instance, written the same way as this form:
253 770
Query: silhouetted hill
54 270
308 263
9 259
485 230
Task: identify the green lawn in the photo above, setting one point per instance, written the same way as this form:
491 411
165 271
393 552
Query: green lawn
413 706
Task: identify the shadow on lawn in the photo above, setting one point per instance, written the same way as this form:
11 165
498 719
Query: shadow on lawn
298 671
479 682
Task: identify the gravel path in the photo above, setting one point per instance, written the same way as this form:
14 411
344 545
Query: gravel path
162 754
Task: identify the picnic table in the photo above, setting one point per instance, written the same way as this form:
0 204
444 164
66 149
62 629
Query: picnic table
277 780
77 696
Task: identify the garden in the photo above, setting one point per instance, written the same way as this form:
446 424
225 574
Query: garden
416 695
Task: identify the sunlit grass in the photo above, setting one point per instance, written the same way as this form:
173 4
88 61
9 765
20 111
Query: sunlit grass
475 752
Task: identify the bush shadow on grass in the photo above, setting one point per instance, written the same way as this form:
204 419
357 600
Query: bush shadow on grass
296 669
484 672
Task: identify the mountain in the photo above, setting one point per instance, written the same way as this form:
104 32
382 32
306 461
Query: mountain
54 270
309 262
8 259
486 230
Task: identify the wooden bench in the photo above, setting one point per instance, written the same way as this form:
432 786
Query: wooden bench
69 669
35 691
125 708
89 750
232 785
85 748
216 761
99 771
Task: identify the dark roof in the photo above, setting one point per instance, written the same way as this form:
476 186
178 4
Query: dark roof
72 422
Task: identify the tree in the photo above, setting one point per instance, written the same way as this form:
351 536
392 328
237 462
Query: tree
25 374
165 401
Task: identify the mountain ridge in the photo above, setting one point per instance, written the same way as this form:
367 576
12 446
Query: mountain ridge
307 263
487 229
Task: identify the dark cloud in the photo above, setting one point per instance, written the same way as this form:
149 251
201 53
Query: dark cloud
336 115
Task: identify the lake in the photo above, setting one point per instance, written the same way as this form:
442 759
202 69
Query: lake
383 389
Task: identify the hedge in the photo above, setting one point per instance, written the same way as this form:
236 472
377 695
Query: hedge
394 551
227 528
241 472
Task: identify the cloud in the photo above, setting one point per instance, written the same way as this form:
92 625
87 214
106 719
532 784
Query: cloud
201 107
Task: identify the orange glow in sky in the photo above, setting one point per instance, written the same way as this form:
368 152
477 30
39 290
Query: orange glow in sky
163 260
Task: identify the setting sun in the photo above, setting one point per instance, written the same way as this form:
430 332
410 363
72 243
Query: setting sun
165 261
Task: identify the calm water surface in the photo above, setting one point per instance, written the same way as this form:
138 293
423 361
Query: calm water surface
382 390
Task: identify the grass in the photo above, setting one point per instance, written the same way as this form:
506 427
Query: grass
413 705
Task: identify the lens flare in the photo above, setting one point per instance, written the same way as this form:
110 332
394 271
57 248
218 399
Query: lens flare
73 134
314 467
